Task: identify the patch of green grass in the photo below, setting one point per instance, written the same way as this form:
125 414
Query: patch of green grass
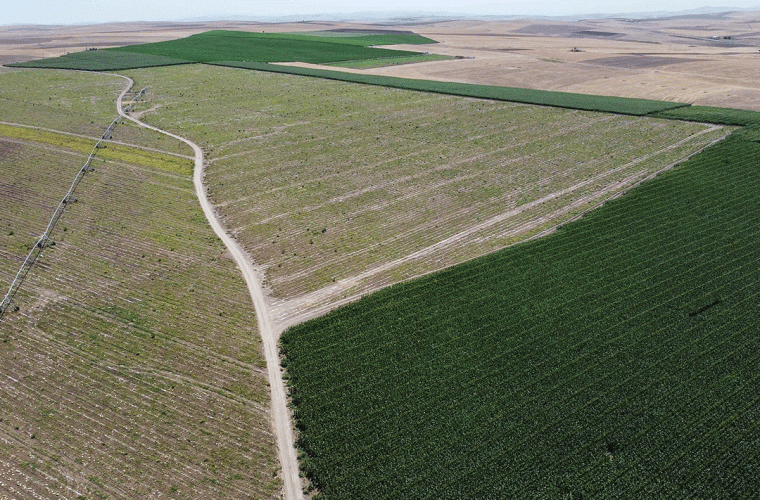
110 151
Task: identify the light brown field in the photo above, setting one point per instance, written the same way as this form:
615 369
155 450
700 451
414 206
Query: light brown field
675 59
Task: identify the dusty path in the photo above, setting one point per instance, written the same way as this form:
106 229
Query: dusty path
282 425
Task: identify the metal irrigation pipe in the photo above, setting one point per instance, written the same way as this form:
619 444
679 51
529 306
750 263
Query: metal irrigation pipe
28 263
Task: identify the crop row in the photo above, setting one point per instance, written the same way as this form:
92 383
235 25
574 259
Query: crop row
723 116
594 362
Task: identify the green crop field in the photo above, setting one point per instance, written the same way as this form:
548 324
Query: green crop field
614 359
133 367
102 60
725 116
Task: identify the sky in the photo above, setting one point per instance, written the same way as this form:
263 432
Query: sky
89 11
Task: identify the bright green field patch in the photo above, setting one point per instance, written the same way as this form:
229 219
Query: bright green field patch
261 47
102 60
614 359
221 45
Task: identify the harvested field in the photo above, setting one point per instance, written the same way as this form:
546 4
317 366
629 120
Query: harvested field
336 188
133 367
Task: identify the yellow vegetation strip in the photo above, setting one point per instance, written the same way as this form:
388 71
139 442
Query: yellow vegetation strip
120 152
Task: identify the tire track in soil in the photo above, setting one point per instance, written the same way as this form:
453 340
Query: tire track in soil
283 428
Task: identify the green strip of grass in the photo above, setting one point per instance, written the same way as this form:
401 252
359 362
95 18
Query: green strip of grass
117 152
708 114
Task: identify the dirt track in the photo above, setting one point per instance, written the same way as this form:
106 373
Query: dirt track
280 415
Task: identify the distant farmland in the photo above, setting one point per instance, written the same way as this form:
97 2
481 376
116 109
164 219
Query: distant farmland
219 46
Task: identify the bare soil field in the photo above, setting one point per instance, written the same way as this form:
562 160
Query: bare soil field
133 367
708 60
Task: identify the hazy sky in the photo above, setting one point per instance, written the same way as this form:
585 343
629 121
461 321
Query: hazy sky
89 11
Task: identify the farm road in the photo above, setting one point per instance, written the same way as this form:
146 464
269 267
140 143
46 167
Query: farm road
282 425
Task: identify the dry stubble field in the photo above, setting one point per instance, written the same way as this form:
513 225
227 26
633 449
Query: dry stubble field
133 368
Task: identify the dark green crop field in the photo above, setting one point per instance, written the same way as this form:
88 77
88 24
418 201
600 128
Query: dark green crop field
616 358
235 46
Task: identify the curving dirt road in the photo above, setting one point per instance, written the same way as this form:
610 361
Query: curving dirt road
282 425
